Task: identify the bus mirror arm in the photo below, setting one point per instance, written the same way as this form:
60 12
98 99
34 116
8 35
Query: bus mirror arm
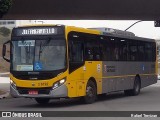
4 50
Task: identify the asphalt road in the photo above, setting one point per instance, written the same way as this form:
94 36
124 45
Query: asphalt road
148 100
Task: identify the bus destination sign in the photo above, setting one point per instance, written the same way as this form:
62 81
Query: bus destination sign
37 31
43 31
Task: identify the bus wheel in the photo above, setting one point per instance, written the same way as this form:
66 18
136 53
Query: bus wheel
91 93
136 89
42 100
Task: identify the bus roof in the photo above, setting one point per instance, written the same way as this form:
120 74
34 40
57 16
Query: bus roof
99 31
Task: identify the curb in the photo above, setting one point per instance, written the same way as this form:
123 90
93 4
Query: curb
4 80
6 74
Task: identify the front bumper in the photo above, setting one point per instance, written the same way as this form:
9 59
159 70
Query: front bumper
60 92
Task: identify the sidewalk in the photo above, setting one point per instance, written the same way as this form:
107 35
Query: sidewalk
4 87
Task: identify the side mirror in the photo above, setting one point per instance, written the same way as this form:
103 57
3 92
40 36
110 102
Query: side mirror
4 51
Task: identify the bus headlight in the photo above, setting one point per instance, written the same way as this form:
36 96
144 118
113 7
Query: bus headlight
13 84
58 83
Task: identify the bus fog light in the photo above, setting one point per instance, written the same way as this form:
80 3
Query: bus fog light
59 83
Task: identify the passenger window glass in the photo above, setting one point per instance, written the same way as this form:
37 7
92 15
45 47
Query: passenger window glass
133 50
148 50
76 51
111 48
123 50
116 48
92 51
141 51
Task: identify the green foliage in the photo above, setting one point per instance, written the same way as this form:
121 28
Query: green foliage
4 6
5 31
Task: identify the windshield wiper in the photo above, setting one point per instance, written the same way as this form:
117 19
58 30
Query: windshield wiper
42 47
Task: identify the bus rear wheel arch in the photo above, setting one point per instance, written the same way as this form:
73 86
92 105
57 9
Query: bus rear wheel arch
91 92
136 87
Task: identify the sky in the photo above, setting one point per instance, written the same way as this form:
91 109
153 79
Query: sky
142 29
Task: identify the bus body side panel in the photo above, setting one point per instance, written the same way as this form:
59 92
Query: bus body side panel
147 80
121 75
76 83
77 80
80 77
94 69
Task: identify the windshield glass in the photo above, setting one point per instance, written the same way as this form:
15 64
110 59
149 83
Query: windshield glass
38 55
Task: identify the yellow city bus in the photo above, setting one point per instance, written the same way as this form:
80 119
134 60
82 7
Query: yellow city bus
57 61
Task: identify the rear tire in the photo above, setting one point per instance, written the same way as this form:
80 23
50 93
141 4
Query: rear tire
42 100
136 88
91 93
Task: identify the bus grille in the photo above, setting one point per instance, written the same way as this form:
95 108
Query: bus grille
40 90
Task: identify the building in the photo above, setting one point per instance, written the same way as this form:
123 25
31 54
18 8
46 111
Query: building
14 23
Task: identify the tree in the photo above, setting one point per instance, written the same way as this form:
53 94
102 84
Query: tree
5 31
4 6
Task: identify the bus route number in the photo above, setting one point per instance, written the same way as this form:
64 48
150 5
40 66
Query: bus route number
43 84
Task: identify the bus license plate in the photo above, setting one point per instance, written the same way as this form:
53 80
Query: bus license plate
33 92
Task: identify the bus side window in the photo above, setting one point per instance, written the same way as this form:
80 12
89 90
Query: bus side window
133 50
124 52
76 51
92 51
141 51
153 51
89 53
116 49
148 51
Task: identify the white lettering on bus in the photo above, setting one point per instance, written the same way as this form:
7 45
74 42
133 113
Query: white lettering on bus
38 31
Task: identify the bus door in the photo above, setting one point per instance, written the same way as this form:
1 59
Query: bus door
76 63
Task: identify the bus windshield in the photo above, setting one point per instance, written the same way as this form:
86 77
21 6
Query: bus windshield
38 55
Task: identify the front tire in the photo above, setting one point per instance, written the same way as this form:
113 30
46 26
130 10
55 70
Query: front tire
136 88
91 93
42 100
